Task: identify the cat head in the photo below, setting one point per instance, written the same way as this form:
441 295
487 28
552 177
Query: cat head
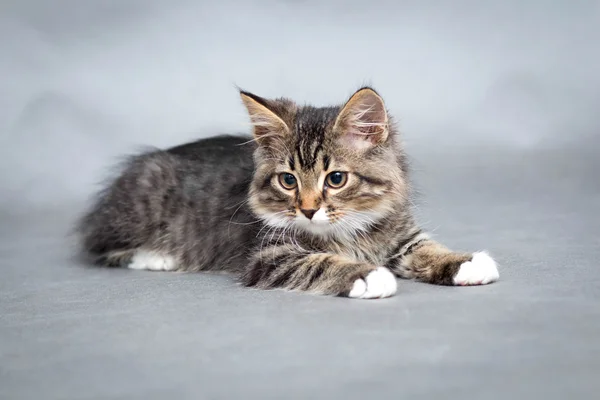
328 171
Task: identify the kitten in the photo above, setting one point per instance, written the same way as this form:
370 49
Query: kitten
317 201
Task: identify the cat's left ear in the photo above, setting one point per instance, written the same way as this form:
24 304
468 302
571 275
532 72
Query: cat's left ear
363 121
265 121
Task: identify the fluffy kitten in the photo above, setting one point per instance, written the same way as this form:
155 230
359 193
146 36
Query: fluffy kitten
317 201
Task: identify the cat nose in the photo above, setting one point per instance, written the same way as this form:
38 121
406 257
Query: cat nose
308 213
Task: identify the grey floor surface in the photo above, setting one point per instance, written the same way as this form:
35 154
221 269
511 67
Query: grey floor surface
70 331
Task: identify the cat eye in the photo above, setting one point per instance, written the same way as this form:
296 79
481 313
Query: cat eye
288 181
336 179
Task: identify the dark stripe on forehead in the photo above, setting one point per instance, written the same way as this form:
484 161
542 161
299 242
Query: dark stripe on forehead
318 148
304 149
326 161
308 149
292 163
311 126
299 153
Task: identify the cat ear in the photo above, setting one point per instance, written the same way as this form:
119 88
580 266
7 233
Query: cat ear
265 122
363 121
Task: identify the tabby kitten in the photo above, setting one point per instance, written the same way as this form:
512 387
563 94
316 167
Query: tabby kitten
317 200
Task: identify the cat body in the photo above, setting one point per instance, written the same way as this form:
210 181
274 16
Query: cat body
318 200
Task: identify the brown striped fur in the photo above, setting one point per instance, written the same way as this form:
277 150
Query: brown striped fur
311 142
218 204
432 262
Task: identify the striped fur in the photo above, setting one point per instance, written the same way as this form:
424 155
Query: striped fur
219 204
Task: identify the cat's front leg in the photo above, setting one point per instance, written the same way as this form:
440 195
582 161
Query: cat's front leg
287 267
429 261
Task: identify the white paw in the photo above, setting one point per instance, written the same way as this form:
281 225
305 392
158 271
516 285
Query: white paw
378 284
152 261
480 270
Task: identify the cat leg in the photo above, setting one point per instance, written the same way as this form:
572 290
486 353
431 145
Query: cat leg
139 259
286 267
152 261
429 261
115 258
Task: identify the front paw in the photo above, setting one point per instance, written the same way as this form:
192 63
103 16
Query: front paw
378 284
481 270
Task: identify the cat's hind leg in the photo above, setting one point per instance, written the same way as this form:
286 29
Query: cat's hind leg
133 220
152 261
139 259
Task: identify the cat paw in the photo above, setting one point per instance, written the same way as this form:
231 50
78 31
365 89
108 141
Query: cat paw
152 261
481 270
378 284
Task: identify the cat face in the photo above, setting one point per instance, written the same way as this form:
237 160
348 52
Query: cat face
331 171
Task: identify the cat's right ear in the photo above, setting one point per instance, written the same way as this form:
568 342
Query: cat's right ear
264 121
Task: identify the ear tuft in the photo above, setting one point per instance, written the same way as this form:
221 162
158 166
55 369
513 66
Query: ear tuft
264 121
363 121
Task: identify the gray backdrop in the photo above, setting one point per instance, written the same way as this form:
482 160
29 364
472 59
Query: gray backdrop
498 103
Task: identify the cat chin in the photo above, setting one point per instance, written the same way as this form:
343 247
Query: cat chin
324 229
340 230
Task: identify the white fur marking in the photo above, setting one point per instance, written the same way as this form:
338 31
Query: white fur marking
318 225
378 284
320 216
481 270
276 220
152 261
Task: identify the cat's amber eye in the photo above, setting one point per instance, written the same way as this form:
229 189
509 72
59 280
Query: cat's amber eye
288 181
336 179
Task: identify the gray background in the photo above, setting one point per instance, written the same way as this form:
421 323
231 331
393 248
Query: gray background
498 103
